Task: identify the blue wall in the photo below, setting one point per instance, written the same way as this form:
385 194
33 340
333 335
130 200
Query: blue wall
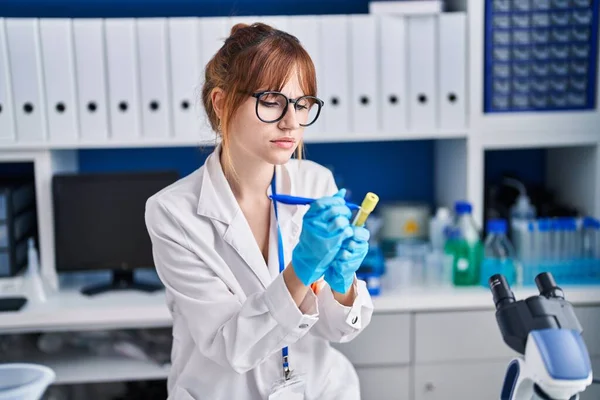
528 164
401 170
173 8
398 170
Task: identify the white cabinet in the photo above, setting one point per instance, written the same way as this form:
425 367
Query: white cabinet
386 341
384 383
465 381
589 318
593 391
458 335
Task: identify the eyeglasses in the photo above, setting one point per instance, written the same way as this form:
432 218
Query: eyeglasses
272 106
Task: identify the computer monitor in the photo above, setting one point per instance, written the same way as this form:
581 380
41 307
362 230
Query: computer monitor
99 224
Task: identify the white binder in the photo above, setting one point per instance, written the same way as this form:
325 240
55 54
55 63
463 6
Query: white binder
452 70
335 64
393 77
363 67
422 64
306 29
185 57
153 77
213 32
90 72
26 72
279 22
122 73
59 79
7 123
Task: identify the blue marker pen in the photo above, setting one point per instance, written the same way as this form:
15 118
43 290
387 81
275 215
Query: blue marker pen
296 200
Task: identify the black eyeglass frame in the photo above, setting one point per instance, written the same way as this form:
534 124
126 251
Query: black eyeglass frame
318 101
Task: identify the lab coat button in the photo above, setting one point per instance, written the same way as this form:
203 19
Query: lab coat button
303 326
355 320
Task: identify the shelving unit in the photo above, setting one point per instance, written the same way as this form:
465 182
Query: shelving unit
407 322
80 367
402 339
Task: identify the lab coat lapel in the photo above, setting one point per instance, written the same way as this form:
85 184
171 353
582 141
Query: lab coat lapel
217 202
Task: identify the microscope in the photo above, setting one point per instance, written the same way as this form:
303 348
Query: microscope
545 330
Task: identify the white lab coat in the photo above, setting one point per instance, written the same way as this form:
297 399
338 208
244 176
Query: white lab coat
232 312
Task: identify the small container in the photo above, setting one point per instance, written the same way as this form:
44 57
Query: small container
398 274
403 221
373 282
415 252
438 269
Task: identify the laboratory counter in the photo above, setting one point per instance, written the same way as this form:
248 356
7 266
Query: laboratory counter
421 344
71 310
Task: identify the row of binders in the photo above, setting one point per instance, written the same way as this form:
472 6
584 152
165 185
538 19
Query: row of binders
70 81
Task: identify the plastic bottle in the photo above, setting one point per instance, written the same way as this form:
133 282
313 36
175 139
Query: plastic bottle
373 266
522 209
465 247
521 214
499 255
33 279
437 228
437 268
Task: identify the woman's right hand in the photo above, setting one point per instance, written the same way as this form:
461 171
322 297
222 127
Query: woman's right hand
325 226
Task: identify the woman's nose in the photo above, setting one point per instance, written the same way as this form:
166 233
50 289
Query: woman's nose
289 121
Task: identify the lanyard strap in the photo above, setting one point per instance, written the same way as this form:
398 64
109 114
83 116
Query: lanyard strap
284 351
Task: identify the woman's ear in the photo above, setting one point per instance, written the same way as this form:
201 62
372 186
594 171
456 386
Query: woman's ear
217 97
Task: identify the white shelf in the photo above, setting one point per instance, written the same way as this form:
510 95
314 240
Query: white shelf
71 368
470 298
309 137
72 311
508 139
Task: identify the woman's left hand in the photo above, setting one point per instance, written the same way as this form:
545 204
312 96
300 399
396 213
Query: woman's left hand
341 271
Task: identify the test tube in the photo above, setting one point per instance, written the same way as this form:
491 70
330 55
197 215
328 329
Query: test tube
595 239
588 245
557 233
530 248
597 242
579 236
543 240
571 239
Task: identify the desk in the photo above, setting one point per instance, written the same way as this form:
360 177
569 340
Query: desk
70 310
415 340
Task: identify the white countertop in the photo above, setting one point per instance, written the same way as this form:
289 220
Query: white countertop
70 310
469 298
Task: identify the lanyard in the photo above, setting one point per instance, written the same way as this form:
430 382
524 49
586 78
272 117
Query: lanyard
284 351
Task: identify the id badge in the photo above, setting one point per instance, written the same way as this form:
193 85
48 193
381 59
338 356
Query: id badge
292 389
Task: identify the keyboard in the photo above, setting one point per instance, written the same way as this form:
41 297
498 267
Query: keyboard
8 304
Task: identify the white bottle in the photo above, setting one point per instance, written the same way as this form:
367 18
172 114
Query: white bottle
522 209
33 280
522 213
437 228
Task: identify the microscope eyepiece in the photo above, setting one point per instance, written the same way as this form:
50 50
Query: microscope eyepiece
500 291
547 286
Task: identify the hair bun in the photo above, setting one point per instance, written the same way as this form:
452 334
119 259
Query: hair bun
257 27
237 27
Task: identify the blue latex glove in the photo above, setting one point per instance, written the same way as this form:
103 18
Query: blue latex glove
325 226
340 274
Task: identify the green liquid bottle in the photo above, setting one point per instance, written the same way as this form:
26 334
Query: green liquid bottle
465 246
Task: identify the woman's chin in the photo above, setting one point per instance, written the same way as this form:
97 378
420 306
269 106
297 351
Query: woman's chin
280 156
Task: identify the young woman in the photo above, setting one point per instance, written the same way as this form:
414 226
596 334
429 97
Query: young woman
258 289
